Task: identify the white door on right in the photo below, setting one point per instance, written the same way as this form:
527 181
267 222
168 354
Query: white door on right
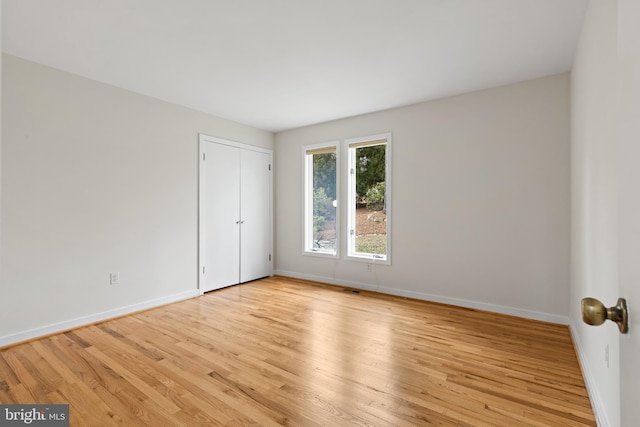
255 212
628 144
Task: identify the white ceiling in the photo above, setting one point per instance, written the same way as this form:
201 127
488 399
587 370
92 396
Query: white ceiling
281 64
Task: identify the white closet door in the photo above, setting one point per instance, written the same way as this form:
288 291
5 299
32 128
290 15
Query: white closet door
219 214
255 207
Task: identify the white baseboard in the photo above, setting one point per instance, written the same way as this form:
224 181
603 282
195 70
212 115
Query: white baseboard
527 314
93 318
594 395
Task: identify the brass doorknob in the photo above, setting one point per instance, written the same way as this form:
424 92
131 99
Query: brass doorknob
595 313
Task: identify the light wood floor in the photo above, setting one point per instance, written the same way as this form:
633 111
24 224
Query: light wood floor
288 352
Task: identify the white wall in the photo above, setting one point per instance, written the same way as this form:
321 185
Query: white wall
594 206
96 179
480 200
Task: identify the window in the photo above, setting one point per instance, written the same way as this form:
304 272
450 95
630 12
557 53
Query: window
321 199
369 207
366 197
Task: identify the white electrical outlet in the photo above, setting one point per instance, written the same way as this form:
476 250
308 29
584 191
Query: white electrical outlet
369 268
114 278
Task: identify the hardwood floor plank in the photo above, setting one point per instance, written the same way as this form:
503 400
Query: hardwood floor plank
26 380
290 352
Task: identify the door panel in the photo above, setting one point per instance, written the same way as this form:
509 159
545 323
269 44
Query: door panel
256 216
629 220
219 213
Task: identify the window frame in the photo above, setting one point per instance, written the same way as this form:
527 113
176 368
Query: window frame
350 146
307 190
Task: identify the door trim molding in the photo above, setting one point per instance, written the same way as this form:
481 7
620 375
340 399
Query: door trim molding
208 138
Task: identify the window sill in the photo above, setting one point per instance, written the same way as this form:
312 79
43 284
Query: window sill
321 254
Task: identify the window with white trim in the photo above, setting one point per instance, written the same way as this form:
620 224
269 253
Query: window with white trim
321 199
369 201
